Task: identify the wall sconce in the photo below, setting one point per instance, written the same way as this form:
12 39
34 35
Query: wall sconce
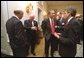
44 13
29 8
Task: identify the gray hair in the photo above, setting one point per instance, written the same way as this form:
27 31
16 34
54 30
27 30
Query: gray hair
71 10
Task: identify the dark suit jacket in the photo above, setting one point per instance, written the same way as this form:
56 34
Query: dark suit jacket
81 29
46 28
68 40
31 34
16 33
59 25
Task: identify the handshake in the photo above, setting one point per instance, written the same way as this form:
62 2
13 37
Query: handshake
34 28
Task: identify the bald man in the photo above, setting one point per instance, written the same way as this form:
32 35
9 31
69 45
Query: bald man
16 34
31 32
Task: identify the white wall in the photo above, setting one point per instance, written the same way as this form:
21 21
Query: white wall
5 47
7 8
21 5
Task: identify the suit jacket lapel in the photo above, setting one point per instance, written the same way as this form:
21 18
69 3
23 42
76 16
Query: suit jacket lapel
48 23
30 23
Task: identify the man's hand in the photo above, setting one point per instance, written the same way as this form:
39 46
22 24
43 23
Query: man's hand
59 33
56 26
34 28
56 35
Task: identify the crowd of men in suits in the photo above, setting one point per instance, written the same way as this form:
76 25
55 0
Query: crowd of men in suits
60 32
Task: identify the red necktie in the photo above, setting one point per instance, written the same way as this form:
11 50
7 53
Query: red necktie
52 26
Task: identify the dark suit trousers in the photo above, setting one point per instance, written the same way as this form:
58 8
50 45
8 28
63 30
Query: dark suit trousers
32 43
53 41
20 52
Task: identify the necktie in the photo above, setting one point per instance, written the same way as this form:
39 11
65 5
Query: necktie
32 23
52 26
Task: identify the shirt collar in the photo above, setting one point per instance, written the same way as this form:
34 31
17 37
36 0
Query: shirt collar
69 19
50 19
16 16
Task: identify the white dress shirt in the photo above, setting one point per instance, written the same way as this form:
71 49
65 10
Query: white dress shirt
32 23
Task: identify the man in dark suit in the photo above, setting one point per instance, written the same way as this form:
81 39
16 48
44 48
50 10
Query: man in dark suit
80 19
68 40
16 34
59 22
48 26
31 32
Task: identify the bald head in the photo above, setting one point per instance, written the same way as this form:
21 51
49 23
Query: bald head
32 16
78 15
18 13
